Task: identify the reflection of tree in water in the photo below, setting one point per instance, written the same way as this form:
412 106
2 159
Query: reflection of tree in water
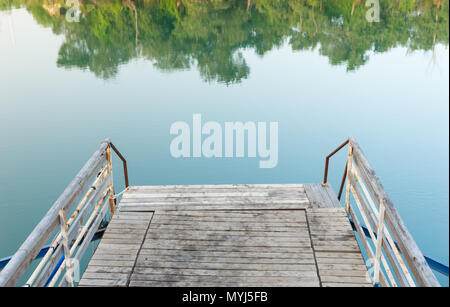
209 35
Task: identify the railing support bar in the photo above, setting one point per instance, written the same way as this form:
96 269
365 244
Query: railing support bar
343 181
379 243
64 232
112 201
347 175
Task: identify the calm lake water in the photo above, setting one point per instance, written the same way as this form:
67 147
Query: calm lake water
321 73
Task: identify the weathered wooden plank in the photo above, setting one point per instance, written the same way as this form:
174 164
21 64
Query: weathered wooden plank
192 224
322 237
226 227
139 215
331 284
228 279
123 216
326 210
222 237
247 219
338 229
339 260
342 273
317 196
187 237
118 235
129 221
107 276
119 263
332 198
102 283
328 220
223 273
100 256
325 226
330 247
217 186
242 243
126 230
129 224
228 266
205 195
307 254
120 252
147 260
253 222
233 213
131 241
327 214
270 191
356 255
211 233
330 232
140 283
232 248
116 247
344 279
342 267
108 269
216 200
220 205
336 248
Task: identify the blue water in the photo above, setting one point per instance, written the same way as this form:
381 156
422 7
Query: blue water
52 118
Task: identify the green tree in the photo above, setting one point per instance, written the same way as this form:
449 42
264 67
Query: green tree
211 34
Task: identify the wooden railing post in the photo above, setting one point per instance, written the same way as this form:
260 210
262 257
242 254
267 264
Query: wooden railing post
111 186
349 172
379 243
66 245
41 233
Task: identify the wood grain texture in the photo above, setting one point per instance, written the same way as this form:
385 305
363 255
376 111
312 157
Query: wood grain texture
338 256
321 196
227 235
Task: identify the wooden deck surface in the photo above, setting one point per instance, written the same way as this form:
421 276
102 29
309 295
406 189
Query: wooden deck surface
228 235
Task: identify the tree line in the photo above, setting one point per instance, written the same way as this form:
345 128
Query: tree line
211 35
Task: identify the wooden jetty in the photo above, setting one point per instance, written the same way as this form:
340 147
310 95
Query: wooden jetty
222 235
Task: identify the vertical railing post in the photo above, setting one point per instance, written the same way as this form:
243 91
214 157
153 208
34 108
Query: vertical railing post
349 170
111 185
379 243
66 245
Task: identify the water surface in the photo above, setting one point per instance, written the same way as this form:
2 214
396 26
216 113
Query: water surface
319 71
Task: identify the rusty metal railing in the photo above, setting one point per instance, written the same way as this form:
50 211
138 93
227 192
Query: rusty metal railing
124 162
327 161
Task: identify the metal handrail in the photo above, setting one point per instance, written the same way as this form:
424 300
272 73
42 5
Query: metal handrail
124 162
327 161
